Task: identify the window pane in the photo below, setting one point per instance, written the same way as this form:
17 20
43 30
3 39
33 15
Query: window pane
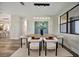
73 19
74 14
76 26
64 18
63 28
72 27
68 27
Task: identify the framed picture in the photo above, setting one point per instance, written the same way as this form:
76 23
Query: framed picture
41 27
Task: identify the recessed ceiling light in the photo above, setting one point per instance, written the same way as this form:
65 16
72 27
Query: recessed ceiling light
48 17
42 17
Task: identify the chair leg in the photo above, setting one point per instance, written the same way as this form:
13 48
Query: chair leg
43 45
45 49
21 42
39 52
56 48
28 49
40 45
26 43
62 42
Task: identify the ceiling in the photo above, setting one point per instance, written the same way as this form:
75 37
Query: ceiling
28 9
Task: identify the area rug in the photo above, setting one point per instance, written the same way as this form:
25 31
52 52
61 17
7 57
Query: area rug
23 52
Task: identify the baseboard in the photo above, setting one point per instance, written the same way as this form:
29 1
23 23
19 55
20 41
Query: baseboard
72 52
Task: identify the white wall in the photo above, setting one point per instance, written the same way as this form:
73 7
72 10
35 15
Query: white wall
23 26
18 28
55 25
70 40
15 27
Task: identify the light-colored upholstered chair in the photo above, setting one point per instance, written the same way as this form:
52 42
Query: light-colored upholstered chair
3 34
50 43
34 43
23 38
61 39
47 36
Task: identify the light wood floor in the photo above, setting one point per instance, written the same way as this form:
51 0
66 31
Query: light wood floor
11 48
23 52
8 46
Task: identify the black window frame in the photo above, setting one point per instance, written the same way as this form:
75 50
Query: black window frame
68 21
71 26
63 23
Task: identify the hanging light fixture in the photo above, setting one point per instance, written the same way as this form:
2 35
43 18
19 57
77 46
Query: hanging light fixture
41 4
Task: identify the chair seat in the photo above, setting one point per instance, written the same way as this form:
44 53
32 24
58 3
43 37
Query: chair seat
34 45
51 45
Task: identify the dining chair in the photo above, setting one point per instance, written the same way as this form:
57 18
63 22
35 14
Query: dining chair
47 36
50 43
35 44
22 40
60 37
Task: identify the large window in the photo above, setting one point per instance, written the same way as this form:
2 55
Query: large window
63 23
69 22
74 26
63 28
